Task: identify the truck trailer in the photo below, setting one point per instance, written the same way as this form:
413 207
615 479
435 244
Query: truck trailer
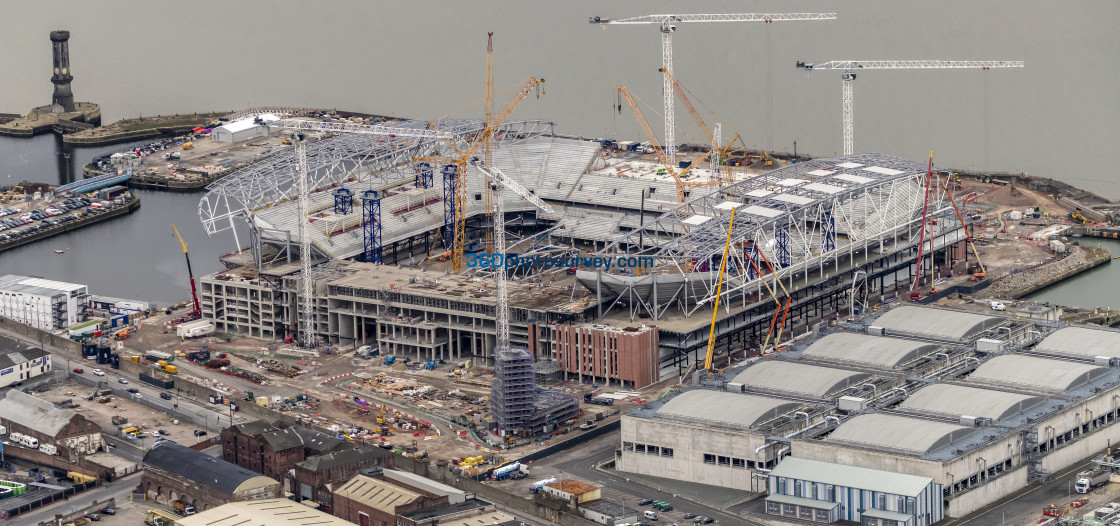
1087 480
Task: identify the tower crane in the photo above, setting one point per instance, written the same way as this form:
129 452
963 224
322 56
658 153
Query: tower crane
849 66
197 312
714 136
498 181
668 25
308 312
460 162
682 185
488 150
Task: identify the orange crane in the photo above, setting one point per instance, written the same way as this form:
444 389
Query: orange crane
719 151
197 312
460 161
682 185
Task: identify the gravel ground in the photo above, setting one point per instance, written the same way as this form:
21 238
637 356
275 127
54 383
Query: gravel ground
1008 287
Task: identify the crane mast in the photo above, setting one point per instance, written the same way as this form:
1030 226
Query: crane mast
308 311
849 66
197 312
488 150
667 25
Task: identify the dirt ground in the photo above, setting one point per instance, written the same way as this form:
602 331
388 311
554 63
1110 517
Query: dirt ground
136 413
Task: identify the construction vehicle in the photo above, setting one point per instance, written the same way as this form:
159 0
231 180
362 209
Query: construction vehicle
157 518
766 160
381 415
592 399
197 312
1087 480
430 366
390 359
589 425
119 420
79 478
1077 217
183 509
188 145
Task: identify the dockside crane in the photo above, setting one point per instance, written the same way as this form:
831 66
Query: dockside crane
460 159
197 312
848 67
668 25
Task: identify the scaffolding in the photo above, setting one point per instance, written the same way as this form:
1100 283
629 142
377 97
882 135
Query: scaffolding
371 226
343 201
512 395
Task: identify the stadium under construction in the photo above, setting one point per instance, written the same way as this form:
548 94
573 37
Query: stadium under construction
802 232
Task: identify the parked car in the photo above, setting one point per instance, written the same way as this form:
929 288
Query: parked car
109 511
163 432
643 502
165 396
134 390
122 380
93 517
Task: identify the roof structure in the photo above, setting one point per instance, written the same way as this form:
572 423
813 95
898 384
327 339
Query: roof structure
800 378
37 286
899 433
726 408
433 512
239 125
959 400
572 486
875 351
255 427
34 412
376 494
14 357
851 476
297 436
268 512
204 469
342 458
1032 372
1082 341
936 323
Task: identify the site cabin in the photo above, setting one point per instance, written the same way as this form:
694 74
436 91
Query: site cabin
194 329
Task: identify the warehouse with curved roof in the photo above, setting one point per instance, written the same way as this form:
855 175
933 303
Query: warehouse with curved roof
899 433
873 351
1082 341
798 378
959 400
1032 372
941 324
726 408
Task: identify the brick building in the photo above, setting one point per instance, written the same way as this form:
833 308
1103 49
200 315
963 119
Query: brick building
272 449
369 501
604 354
73 434
178 473
308 480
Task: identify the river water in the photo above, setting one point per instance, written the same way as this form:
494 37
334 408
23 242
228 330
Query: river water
1095 288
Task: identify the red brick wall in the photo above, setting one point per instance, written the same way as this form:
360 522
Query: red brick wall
609 353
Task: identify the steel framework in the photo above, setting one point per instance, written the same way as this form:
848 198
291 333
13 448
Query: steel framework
450 199
343 201
815 211
667 27
848 66
371 226
308 311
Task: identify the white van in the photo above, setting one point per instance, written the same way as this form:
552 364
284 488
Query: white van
650 515
997 305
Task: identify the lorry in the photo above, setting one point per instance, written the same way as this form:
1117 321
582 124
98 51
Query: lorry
597 400
194 329
505 471
183 509
536 486
1087 480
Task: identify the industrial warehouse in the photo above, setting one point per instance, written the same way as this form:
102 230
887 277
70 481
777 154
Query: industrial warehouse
975 406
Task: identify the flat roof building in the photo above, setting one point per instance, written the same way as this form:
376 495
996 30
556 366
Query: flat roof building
798 378
43 303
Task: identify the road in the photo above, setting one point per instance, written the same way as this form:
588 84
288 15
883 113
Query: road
1025 506
119 489
583 458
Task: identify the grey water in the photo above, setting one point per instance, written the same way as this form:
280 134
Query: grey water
1057 117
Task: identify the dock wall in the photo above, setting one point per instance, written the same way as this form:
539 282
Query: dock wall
1028 282
71 226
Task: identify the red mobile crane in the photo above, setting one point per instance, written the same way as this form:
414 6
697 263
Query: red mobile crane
197 312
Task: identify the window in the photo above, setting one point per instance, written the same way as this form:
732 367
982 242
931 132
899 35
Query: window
709 459
628 446
653 450
830 493
640 448
882 501
666 451
725 461
738 463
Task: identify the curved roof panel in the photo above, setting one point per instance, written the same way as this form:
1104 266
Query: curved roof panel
938 323
1081 341
1033 372
912 435
726 408
958 400
875 351
800 378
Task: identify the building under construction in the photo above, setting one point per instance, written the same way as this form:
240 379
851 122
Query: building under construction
801 233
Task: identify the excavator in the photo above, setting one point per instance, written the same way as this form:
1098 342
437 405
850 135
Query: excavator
766 160
1077 217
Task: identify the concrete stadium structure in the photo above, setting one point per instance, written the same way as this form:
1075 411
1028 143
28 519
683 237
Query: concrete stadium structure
980 405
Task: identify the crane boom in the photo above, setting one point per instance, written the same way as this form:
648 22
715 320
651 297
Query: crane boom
849 66
668 26
719 287
194 291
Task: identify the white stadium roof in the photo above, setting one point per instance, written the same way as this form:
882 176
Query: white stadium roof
799 378
726 408
912 435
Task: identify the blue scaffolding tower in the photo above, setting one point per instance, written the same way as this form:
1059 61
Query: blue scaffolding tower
450 181
424 175
343 201
785 258
828 231
371 225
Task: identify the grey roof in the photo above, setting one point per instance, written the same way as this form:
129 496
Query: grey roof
255 427
37 286
792 377
958 400
14 357
198 466
35 413
726 408
900 433
343 458
318 441
851 476
938 323
376 494
1037 373
802 501
1082 341
876 351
